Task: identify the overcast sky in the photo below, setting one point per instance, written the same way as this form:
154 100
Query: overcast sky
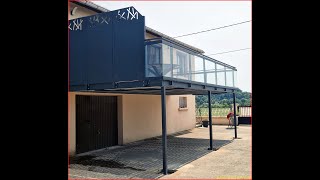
184 17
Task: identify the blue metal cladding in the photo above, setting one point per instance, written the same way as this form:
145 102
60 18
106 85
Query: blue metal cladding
129 37
106 48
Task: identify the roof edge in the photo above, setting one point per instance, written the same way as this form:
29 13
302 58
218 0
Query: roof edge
90 5
152 31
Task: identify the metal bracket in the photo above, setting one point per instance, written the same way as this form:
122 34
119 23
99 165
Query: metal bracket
146 83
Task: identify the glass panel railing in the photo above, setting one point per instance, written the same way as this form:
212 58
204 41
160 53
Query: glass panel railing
211 72
197 69
165 60
180 64
229 77
154 60
221 75
235 82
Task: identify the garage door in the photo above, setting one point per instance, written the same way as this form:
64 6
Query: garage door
96 122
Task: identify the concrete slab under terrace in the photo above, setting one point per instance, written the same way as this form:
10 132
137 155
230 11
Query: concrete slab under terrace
187 156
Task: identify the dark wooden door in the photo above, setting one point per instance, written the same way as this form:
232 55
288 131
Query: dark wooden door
96 122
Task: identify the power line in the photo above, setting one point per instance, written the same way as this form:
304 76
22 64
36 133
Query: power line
228 51
212 29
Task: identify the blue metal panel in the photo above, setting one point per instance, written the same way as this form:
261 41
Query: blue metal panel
106 48
77 58
99 49
129 35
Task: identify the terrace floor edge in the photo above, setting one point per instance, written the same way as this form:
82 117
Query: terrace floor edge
152 86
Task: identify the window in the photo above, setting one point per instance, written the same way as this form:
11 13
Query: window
182 102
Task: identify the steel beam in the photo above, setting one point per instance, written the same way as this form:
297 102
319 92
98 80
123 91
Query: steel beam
234 115
210 120
164 130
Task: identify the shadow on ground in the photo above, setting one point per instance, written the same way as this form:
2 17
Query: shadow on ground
144 159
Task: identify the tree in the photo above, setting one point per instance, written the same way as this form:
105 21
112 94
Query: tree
224 100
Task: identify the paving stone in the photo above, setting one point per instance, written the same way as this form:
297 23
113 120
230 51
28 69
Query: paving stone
144 159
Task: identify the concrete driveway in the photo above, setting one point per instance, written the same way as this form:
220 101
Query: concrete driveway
232 161
187 156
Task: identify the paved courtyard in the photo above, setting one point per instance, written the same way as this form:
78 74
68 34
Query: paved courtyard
232 161
187 156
